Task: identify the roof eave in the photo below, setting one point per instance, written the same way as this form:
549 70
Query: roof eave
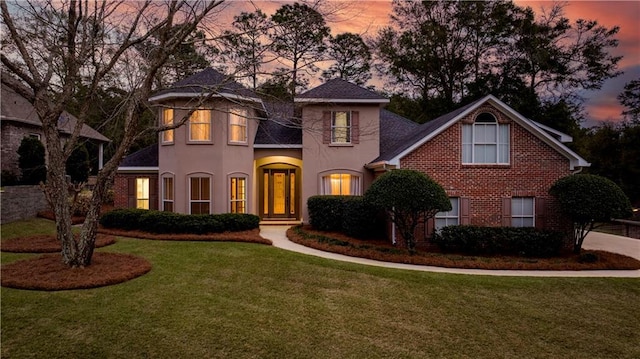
173 95
277 146
340 100
137 169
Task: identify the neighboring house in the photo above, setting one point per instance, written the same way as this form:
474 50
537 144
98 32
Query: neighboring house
237 153
19 119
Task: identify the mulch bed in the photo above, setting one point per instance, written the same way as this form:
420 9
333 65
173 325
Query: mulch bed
47 272
51 216
251 236
46 243
385 251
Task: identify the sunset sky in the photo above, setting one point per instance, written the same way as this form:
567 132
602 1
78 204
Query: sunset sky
366 17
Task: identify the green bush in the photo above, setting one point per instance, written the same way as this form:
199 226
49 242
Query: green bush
175 223
31 161
326 212
528 242
361 220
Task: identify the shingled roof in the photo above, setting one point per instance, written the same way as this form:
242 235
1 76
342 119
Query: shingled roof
280 128
204 82
146 157
16 108
338 90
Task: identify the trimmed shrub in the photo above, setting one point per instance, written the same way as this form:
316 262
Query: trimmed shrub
176 223
326 212
361 220
528 242
127 218
31 161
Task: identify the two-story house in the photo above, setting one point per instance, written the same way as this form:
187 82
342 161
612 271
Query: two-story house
237 153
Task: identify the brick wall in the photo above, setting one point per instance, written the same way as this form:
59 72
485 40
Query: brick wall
533 168
21 202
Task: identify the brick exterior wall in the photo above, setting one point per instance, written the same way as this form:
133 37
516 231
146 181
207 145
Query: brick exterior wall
124 189
534 167
21 202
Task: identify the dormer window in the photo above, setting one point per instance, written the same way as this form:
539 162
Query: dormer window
485 141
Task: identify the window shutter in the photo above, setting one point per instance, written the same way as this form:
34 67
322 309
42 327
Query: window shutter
465 216
153 193
540 212
506 212
355 127
431 224
131 192
326 127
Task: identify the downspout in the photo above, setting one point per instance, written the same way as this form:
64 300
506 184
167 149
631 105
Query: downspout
100 156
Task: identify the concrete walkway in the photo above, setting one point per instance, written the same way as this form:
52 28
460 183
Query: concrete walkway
595 240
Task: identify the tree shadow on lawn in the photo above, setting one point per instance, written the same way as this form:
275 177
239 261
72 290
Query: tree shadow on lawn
386 252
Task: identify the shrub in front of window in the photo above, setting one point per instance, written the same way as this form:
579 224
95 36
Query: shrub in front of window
589 199
326 212
78 165
517 241
362 220
410 197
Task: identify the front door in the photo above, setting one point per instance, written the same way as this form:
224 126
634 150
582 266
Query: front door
279 194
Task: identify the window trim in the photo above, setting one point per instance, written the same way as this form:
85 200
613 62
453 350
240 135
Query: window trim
447 216
349 128
190 200
173 193
357 183
190 139
245 200
469 140
148 198
165 134
241 114
522 217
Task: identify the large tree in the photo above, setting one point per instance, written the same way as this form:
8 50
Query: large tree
630 99
247 45
299 35
53 48
352 59
447 53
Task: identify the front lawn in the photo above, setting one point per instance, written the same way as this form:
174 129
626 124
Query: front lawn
239 300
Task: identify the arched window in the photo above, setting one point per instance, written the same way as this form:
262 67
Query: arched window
485 141
343 184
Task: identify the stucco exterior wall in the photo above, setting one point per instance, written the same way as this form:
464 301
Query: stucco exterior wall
533 168
218 158
320 158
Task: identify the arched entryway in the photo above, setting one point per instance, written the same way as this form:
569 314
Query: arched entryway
279 190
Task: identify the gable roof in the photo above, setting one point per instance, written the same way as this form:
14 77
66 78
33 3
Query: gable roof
16 108
394 130
279 129
203 83
340 91
146 158
431 129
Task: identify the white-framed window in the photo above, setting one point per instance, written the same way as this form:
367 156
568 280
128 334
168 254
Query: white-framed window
167 194
343 184
449 218
142 193
485 141
167 120
199 195
238 126
238 195
200 126
35 135
341 127
522 212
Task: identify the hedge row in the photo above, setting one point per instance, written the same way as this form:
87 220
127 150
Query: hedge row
347 214
528 242
170 223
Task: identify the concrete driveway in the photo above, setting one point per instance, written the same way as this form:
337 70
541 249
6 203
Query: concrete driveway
595 240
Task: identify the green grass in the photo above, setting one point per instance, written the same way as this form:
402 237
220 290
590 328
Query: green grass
231 300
